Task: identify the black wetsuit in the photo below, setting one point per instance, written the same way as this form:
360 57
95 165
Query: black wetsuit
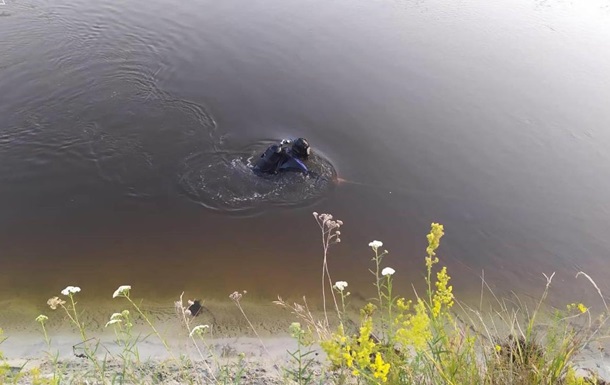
287 156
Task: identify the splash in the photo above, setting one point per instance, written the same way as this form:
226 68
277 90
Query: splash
224 181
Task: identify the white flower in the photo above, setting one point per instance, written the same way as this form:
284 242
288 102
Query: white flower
116 316
55 302
236 296
198 330
112 322
41 318
340 285
295 330
375 245
70 290
387 271
122 291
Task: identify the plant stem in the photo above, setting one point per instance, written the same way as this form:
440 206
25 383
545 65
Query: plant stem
151 325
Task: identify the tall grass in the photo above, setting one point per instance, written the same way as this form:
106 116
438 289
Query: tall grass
430 339
435 339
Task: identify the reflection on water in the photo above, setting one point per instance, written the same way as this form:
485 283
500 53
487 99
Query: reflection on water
126 130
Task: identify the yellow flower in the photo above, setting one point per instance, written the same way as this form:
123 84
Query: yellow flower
414 328
434 238
498 348
431 261
356 352
368 310
380 368
336 347
443 295
577 306
364 346
347 356
402 304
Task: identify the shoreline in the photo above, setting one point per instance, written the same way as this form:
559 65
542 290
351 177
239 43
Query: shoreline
259 365
264 361
230 340
229 344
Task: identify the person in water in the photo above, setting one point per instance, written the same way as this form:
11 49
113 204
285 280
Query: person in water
289 155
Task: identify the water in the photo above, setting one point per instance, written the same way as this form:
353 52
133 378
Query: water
126 130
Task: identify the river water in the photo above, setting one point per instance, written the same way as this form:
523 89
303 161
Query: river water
127 129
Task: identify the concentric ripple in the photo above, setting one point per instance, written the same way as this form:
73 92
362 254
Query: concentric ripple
225 181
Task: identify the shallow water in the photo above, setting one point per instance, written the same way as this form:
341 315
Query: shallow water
126 129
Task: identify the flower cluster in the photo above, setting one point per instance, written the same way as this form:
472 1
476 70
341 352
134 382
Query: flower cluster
375 245
577 306
412 327
122 291
119 318
329 226
434 240
340 285
357 352
199 330
303 336
407 328
55 302
443 295
336 348
295 330
70 290
380 368
236 296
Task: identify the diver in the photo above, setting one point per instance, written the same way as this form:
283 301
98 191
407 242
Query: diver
289 155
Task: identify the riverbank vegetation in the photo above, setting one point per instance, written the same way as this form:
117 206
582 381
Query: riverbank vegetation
432 338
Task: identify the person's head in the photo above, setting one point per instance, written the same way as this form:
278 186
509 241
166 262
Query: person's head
301 148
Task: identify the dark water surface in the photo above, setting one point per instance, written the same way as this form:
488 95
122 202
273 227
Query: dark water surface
127 127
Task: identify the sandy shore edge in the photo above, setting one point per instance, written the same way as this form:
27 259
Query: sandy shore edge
230 339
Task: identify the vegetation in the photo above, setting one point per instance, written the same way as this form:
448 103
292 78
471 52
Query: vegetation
425 341
431 339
